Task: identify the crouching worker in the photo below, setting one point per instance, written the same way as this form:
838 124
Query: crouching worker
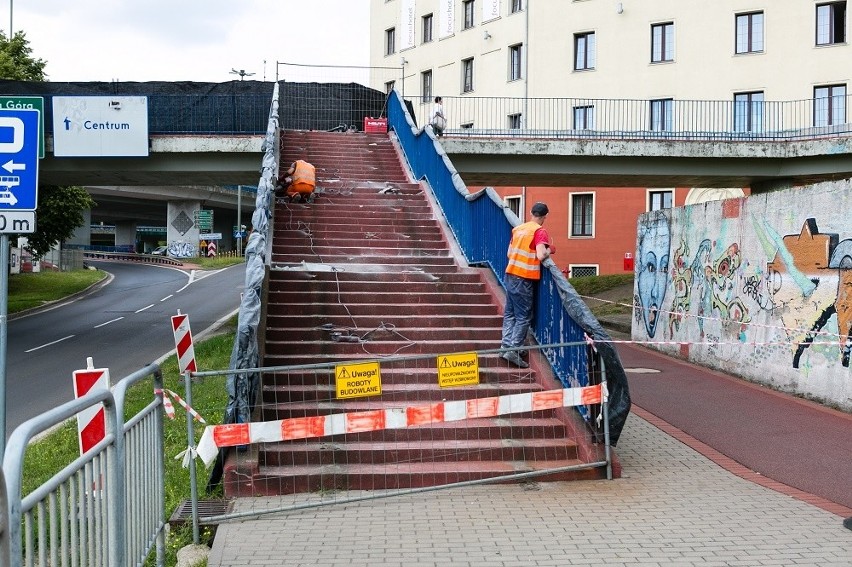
299 183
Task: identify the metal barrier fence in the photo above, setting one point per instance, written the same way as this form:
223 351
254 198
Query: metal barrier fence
630 119
104 508
310 468
331 97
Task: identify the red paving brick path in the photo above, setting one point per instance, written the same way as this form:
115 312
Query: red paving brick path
791 445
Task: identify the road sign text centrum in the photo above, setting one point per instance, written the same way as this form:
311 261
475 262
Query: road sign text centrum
358 380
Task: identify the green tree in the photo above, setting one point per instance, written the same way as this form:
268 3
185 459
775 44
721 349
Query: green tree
59 214
16 60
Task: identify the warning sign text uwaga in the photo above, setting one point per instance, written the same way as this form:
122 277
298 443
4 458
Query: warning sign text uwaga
358 380
458 370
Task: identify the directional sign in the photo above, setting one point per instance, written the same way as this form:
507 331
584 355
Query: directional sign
21 102
19 138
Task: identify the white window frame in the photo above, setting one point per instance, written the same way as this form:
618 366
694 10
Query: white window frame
515 204
426 79
516 6
649 192
585 44
428 30
748 111
663 47
749 34
571 197
467 64
390 41
468 14
661 121
516 62
515 121
587 113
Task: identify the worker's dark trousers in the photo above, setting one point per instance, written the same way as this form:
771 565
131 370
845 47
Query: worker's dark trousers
518 313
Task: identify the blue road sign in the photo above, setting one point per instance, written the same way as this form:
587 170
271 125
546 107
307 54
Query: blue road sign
19 139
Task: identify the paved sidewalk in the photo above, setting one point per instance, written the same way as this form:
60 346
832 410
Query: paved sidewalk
673 506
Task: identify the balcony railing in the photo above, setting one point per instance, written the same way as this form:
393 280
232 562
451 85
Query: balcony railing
630 119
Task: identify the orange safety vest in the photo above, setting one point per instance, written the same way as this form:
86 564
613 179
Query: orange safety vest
523 261
304 178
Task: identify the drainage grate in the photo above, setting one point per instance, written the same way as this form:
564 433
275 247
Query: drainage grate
206 508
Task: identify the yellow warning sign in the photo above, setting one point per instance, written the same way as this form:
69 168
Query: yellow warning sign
458 369
358 380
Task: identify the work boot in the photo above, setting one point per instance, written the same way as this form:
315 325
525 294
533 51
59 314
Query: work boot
515 358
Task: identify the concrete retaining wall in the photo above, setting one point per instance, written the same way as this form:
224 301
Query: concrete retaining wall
759 287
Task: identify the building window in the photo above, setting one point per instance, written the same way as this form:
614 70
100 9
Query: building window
389 87
660 199
748 112
515 121
468 14
467 75
514 204
584 51
662 42
515 62
426 86
582 214
831 23
517 6
829 105
390 41
749 33
661 114
584 117
578 271
466 126
427 28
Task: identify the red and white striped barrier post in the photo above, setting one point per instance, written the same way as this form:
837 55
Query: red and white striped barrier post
183 343
186 362
91 422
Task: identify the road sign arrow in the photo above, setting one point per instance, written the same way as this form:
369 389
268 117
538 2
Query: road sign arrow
11 166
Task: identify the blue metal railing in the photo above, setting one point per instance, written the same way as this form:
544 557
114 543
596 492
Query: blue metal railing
482 226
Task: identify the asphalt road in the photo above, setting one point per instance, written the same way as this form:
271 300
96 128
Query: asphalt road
123 326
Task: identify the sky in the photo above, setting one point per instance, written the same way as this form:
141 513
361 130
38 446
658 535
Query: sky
192 40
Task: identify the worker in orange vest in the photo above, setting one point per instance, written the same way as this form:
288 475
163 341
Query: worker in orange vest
300 182
529 247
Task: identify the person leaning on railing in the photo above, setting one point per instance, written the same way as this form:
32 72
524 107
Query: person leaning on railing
529 247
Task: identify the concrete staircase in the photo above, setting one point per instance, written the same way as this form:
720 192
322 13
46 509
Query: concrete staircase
396 288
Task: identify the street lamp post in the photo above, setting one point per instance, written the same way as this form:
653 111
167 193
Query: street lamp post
242 73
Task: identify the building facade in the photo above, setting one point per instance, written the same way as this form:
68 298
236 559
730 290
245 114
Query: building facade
640 60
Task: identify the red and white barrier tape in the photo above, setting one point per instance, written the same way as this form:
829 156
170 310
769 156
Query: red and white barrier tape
216 436
170 408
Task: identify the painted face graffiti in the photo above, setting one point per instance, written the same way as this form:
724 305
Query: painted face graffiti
652 268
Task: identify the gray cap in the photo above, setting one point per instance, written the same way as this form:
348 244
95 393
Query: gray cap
539 209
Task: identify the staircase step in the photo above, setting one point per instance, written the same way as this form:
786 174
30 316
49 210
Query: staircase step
401 453
295 479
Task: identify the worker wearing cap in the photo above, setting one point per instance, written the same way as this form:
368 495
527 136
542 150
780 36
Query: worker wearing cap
529 247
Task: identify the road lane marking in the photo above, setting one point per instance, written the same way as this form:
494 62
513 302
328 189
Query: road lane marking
108 322
51 343
167 297
144 308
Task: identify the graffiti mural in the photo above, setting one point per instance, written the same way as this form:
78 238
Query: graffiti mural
760 287
652 268
810 278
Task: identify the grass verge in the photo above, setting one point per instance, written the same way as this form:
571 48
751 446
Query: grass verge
27 291
47 456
